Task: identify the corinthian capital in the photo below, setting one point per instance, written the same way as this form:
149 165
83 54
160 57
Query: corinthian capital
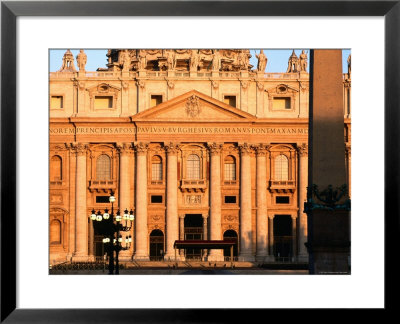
79 148
302 149
172 148
245 148
124 148
141 148
215 148
261 149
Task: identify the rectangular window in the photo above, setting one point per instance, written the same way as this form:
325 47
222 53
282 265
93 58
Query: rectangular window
230 171
155 100
156 199
102 199
156 171
56 102
230 199
103 102
281 103
282 199
230 100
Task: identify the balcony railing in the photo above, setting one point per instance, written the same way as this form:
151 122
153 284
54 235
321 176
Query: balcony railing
230 182
56 183
102 185
193 185
282 185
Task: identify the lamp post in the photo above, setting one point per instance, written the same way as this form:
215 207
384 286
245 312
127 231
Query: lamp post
110 226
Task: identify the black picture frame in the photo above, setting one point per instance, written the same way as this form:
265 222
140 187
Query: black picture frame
10 10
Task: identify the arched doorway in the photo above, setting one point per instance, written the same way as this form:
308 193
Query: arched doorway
156 245
231 234
283 237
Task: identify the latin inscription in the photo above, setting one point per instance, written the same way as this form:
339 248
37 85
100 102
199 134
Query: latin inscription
177 130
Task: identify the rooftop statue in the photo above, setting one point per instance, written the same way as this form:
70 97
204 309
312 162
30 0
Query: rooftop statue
303 61
81 58
262 61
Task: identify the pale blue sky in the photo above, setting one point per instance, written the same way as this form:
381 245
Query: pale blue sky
277 59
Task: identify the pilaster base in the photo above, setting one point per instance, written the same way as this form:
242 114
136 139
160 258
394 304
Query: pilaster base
80 258
172 257
141 257
302 258
247 257
261 257
215 255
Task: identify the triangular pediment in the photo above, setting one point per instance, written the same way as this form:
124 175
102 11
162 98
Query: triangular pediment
193 106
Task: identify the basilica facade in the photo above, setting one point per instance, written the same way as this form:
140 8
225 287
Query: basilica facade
199 144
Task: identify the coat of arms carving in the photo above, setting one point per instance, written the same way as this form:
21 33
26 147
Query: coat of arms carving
193 108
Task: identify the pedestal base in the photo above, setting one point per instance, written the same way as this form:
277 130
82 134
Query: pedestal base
247 257
80 258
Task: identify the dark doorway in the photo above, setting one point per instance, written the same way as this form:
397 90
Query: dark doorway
283 237
231 234
193 231
156 245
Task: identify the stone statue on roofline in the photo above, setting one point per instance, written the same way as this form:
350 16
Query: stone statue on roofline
349 64
194 60
216 62
303 61
171 60
68 62
125 60
142 63
262 61
81 58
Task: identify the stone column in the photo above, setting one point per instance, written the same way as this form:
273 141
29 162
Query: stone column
245 203
91 240
302 190
215 200
262 218
124 189
182 233
125 96
294 238
141 95
271 236
172 200
141 237
81 217
205 231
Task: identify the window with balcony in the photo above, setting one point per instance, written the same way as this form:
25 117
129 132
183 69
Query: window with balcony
193 167
103 167
230 168
156 168
281 168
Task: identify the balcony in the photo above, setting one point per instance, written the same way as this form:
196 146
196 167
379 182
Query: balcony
230 182
56 183
102 185
282 185
193 185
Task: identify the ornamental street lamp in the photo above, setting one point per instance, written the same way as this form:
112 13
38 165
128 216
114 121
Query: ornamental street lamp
110 226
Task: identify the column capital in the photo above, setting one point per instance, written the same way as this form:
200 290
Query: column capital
261 149
215 148
302 149
182 216
141 148
124 148
79 148
271 216
171 148
245 148
205 216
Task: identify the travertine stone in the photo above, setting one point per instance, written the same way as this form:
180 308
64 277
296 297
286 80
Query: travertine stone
215 200
303 176
142 251
262 219
245 204
172 201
